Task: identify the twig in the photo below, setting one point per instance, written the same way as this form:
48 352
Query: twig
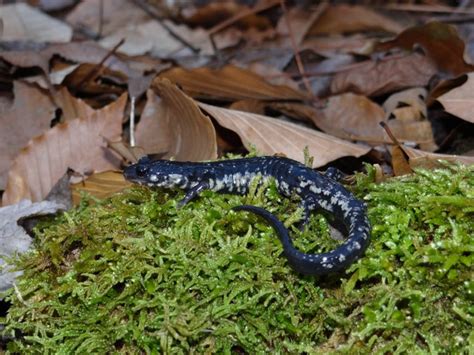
98 67
132 121
299 62
390 134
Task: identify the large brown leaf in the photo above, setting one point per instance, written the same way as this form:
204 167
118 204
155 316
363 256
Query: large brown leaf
346 18
440 42
78 144
30 115
229 83
460 101
271 136
377 77
175 125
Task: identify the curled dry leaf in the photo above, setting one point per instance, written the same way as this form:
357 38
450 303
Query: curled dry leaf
77 144
271 136
377 77
229 83
100 185
175 125
407 105
440 42
29 116
22 22
460 101
355 19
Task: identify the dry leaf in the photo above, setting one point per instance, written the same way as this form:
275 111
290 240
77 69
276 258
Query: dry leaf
440 42
377 77
346 18
72 107
271 136
412 102
460 101
13 238
175 125
100 185
421 159
400 163
22 22
229 83
30 115
77 144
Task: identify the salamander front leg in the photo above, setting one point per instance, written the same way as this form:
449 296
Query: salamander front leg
193 192
307 206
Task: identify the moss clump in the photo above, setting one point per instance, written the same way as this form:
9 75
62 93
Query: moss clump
134 273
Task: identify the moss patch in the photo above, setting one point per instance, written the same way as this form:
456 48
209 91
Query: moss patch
134 273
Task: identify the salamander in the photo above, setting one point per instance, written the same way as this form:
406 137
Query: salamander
317 191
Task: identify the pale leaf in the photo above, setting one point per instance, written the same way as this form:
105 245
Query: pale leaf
460 101
78 144
272 136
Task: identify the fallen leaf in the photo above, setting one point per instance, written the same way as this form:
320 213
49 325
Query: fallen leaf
78 52
422 159
441 43
272 136
22 22
377 77
13 238
72 107
400 163
77 144
100 185
460 101
347 18
29 116
229 83
407 105
175 125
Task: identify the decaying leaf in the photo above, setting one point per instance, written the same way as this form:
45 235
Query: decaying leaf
271 136
22 22
100 185
460 101
407 105
229 83
346 18
30 115
77 144
377 77
441 43
13 238
175 125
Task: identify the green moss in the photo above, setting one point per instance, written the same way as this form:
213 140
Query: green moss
134 273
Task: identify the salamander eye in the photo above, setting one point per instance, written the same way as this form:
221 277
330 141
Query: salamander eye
141 170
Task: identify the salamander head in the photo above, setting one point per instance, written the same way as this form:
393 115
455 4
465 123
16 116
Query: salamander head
159 173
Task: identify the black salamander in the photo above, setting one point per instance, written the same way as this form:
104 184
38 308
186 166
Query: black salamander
234 176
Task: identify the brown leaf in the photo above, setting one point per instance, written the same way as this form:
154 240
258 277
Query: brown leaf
77 144
377 77
356 117
271 136
421 159
79 52
460 101
400 163
440 42
30 115
22 22
229 83
347 18
100 185
72 107
175 125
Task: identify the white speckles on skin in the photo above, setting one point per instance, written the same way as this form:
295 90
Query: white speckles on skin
325 259
315 189
356 245
341 258
153 178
